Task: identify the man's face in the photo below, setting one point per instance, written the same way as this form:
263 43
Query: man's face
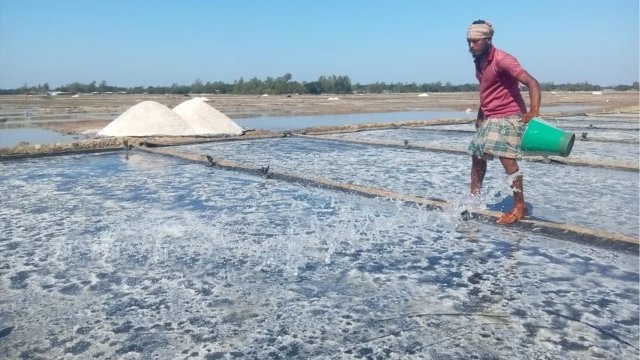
479 47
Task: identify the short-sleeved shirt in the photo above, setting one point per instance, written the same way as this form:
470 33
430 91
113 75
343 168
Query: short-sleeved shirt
499 86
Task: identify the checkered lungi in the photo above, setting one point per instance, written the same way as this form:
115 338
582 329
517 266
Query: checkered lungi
498 137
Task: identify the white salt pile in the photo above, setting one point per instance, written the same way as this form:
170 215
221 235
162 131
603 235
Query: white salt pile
192 117
205 119
148 118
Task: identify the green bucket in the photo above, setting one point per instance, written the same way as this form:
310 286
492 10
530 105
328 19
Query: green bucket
542 138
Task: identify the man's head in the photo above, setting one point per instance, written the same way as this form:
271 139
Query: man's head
479 36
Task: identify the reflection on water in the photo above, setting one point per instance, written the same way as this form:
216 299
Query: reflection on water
14 136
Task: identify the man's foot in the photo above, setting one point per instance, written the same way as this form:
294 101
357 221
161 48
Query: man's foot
512 216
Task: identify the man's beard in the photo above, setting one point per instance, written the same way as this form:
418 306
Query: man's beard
481 53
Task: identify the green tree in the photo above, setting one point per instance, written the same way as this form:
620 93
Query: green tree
90 88
281 84
238 86
178 89
342 84
254 86
312 87
74 87
102 87
197 87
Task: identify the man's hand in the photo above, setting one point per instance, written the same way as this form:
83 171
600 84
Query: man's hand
530 115
534 96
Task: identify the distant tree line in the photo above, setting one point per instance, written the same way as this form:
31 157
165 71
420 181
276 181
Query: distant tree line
284 84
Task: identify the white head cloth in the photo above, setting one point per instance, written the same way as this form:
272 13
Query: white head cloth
480 31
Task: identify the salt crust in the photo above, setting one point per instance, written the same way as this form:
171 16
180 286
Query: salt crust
192 117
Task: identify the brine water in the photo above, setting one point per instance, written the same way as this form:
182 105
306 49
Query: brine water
133 255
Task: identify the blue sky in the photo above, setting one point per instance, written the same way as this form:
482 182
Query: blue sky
161 42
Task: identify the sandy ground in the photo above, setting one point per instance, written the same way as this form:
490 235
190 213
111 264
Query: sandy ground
92 112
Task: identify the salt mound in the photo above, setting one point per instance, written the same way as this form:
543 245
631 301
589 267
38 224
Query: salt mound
148 118
205 119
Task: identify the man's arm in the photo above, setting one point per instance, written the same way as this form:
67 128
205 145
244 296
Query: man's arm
534 96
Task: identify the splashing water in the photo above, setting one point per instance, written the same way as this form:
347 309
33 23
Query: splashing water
105 260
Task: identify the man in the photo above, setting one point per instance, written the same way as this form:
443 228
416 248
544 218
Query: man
502 114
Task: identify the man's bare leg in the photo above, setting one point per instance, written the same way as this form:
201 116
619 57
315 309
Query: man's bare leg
519 207
478 170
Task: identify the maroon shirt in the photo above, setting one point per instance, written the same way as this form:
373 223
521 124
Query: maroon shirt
499 86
